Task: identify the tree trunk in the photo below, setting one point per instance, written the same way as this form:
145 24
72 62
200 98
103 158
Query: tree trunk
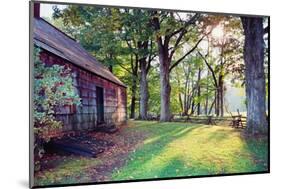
192 107
185 99
143 89
206 105
221 101
186 92
180 95
217 104
165 114
207 97
181 104
212 105
110 67
198 91
189 97
133 101
221 96
187 105
215 100
134 86
254 75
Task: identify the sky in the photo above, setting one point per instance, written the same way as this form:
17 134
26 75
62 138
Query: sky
47 11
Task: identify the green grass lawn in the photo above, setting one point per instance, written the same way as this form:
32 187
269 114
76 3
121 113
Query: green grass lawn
178 149
146 149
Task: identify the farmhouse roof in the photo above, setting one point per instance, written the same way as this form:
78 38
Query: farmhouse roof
50 38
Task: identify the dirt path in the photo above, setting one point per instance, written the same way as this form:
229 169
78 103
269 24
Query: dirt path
125 141
68 169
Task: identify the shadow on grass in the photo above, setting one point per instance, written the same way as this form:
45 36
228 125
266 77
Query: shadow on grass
161 135
171 150
177 149
175 166
68 170
258 148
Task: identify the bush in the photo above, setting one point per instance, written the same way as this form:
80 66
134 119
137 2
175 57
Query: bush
53 87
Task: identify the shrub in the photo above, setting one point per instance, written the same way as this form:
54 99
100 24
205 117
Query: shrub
53 87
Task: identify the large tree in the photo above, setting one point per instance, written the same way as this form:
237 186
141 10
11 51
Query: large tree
137 32
254 74
171 34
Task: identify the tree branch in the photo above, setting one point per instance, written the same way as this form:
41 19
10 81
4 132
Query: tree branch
177 42
126 69
183 57
210 68
178 16
130 46
136 66
187 23
150 57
